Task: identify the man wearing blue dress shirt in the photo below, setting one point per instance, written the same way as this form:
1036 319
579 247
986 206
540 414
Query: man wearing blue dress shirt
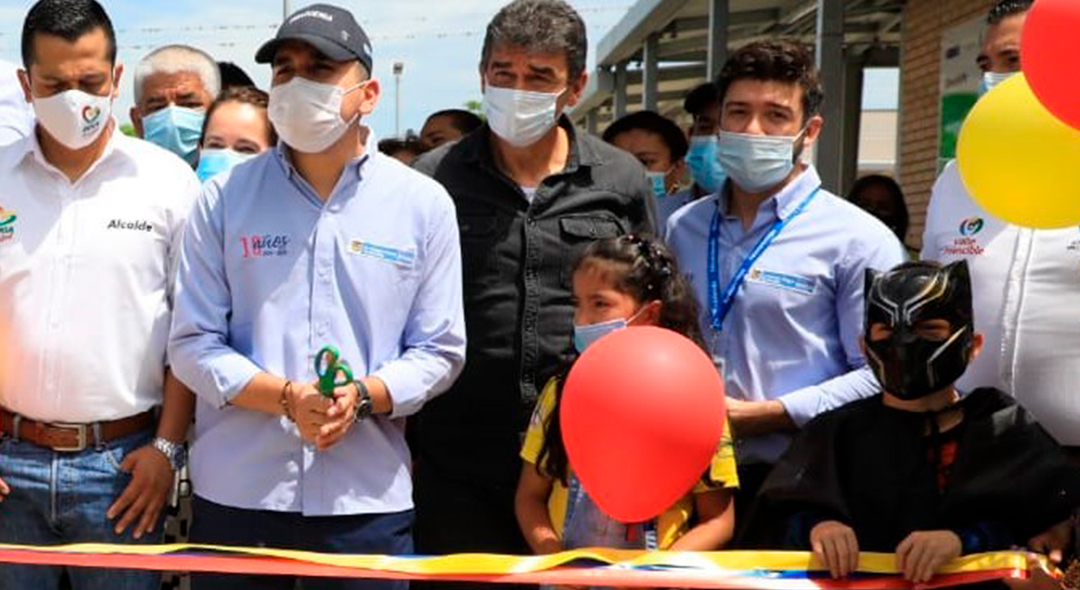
777 261
320 241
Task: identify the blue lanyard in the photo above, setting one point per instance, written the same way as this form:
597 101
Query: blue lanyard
719 304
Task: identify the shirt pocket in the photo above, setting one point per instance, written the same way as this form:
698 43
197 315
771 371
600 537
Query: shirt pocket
385 262
479 244
578 232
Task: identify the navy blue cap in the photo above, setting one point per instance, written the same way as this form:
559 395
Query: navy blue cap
331 30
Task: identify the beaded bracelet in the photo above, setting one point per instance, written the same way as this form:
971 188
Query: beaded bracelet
284 401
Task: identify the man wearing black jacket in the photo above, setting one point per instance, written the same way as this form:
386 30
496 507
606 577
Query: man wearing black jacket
530 191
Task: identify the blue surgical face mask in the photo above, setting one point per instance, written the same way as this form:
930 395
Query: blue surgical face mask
757 163
176 129
658 181
704 166
586 335
215 161
991 79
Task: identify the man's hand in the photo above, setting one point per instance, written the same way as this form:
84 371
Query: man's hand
309 407
836 547
340 416
749 419
146 494
5 489
1054 542
924 552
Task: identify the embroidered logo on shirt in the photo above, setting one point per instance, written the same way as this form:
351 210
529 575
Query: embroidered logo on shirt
803 285
394 256
971 226
265 245
137 225
7 224
966 245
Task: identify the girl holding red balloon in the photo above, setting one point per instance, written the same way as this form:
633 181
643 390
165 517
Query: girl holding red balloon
620 282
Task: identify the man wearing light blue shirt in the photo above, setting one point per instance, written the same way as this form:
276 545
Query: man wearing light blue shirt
778 262
320 241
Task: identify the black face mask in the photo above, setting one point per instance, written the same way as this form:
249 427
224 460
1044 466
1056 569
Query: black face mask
907 365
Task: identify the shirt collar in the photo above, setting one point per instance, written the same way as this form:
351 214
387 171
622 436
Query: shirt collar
371 149
797 191
784 202
32 149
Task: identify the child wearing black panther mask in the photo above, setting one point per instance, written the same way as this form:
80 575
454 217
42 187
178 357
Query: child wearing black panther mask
917 470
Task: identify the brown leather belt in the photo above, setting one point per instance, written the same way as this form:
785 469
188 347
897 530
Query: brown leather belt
73 438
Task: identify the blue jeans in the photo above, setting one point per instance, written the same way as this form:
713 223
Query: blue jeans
214 524
60 498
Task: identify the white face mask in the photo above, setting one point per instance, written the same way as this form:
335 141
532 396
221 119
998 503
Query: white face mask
307 114
756 163
990 80
73 117
520 117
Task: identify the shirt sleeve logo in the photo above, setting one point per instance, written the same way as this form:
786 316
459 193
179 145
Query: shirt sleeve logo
402 258
264 246
7 224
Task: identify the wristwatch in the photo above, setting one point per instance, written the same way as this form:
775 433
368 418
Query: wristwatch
363 405
174 452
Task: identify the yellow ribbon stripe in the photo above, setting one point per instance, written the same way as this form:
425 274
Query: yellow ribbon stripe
494 564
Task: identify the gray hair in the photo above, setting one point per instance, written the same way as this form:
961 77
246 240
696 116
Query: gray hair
540 26
173 59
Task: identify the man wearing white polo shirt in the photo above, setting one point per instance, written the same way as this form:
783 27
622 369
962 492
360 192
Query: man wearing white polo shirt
1026 282
90 222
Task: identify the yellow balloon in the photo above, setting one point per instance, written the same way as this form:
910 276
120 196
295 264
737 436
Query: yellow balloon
1018 161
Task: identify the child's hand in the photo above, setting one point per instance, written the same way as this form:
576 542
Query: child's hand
1054 541
836 547
1038 578
924 552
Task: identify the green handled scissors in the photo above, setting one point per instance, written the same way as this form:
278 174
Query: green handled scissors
333 372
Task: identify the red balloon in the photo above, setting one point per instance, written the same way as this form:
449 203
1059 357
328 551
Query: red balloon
1048 53
642 414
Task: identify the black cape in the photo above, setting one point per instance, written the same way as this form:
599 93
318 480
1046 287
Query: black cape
872 468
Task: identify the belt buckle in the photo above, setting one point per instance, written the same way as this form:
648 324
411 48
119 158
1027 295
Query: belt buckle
80 431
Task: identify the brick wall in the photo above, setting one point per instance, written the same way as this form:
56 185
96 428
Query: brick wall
920 68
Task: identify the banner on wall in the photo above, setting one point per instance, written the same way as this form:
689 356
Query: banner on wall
960 78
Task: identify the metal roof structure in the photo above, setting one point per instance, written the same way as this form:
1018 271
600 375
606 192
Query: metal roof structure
662 49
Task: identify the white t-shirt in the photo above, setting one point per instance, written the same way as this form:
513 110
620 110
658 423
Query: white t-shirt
86 276
1026 292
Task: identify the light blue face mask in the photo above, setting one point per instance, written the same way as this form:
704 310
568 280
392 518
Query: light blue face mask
704 166
176 129
757 163
658 180
215 161
586 335
990 80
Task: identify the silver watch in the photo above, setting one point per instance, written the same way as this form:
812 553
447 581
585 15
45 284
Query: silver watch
174 452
